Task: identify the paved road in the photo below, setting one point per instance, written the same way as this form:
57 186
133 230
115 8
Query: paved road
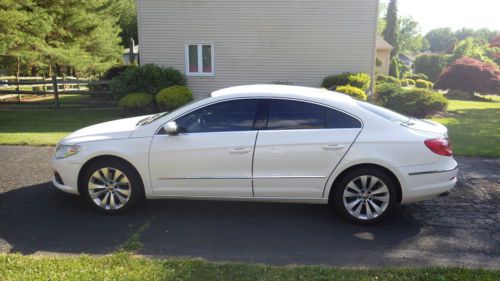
460 230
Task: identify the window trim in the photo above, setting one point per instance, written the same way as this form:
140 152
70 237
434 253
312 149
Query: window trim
199 45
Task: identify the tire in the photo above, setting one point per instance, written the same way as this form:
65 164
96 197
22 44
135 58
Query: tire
112 186
365 195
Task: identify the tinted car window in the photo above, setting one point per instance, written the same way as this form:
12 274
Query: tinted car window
290 115
236 115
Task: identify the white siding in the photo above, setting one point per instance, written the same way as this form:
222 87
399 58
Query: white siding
261 41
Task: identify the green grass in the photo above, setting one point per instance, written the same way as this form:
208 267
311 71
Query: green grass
123 266
475 130
48 127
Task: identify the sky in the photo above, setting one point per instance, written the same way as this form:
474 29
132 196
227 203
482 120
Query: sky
455 14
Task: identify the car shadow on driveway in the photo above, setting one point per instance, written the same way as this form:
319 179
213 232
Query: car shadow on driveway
40 218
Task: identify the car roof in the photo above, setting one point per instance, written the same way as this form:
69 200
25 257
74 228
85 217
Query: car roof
272 90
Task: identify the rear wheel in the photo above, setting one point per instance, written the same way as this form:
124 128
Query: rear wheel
112 186
365 195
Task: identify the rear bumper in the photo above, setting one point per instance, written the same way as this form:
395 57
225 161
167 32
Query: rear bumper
423 184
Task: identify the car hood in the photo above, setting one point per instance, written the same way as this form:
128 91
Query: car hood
427 126
117 129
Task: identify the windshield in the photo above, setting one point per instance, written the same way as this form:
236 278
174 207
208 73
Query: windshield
384 112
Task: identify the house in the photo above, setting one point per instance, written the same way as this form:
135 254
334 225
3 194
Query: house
383 56
233 42
407 60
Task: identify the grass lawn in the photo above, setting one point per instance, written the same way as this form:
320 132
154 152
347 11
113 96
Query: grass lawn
475 130
123 266
48 127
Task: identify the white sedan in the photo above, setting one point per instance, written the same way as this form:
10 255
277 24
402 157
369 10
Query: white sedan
262 143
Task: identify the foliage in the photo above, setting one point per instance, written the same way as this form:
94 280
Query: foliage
394 67
385 91
474 128
430 65
136 102
126 12
423 84
390 33
470 48
407 82
147 78
410 40
441 40
359 80
417 76
470 75
173 97
352 91
389 79
417 102
114 71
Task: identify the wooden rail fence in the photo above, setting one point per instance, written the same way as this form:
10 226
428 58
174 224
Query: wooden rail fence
41 86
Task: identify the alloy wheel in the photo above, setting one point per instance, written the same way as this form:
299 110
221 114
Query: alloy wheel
109 188
366 197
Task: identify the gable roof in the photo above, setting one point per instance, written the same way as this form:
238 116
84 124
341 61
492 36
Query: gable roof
381 44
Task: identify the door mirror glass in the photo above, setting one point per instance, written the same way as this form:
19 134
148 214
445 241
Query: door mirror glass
171 128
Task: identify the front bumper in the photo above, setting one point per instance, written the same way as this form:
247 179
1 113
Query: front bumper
68 175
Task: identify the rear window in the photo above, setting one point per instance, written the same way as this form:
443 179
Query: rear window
384 112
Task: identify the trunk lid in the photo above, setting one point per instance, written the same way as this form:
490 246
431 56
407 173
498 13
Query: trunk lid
427 126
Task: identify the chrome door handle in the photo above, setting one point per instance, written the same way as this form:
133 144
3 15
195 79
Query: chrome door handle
333 146
239 150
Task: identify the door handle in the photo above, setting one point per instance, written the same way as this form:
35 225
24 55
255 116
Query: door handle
333 146
239 150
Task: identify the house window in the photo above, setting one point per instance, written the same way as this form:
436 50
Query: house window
200 59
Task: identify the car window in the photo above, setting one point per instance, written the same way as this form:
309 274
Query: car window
293 115
226 116
384 112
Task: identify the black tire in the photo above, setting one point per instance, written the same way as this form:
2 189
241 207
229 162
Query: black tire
337 196
135 185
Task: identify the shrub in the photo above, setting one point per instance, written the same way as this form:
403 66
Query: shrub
430 65
359 80
417 102
394 67
407 82
417 76
137 102
352 91
384 91
173 97
147 78
421 84
381 78
116 71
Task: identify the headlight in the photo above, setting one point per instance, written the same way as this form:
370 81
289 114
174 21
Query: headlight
63 151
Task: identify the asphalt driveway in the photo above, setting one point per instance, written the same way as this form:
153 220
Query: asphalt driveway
460 230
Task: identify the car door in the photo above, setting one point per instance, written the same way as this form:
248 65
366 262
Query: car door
211 155
302 144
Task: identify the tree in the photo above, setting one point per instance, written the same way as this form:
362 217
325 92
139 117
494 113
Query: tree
430 65
125 11
394 67
409 40
441 40
470 75
470 48
392 27
495 49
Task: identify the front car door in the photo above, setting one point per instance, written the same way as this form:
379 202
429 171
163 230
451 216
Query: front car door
212 154
301 146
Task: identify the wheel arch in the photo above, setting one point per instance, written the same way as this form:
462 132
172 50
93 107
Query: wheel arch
101 158
368 165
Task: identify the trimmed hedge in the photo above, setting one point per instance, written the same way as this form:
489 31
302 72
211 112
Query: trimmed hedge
417 102
388 79
173 97
147 78
359 80
407 82
137 102
352 91
422 84
383 92
417 76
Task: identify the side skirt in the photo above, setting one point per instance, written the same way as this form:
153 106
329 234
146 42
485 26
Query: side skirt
248 199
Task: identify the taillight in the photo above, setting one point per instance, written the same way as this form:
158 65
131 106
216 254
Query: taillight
440 146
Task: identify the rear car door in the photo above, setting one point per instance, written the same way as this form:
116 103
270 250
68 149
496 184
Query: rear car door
302 144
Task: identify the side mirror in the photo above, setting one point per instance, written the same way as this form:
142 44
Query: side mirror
171 128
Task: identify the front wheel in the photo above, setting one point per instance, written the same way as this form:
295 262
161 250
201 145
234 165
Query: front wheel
112 186
365 196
